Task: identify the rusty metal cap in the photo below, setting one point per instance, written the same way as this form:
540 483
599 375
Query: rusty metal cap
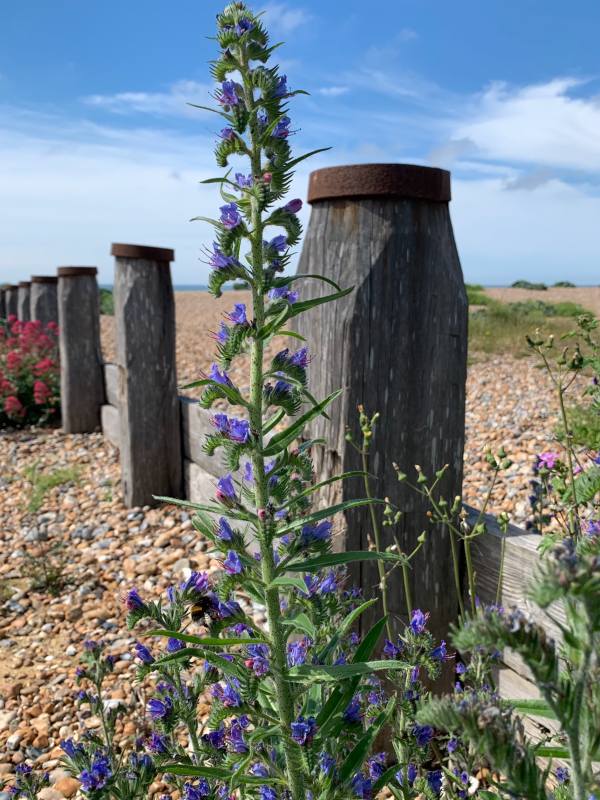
73 272
44 279
407 181
24 284
141 251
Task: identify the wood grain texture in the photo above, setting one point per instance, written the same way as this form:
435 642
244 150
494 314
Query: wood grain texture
111 383
111 424
196 425
24 303
397 344
151 462
81 374
11 301
44 302
199 484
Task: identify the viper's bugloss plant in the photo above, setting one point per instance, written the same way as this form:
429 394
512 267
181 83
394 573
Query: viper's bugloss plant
29 373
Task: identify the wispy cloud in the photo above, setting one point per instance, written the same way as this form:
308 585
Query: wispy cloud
333 91
174 101
407 35
282 19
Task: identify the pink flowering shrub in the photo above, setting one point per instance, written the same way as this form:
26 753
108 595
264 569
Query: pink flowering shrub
29 372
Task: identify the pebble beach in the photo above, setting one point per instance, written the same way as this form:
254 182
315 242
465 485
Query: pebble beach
106 548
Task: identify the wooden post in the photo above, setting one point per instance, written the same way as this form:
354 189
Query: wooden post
81 376
11 299
24 301
2 302
150 439
44 298
398 345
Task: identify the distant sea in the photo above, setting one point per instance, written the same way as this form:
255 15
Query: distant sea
179 287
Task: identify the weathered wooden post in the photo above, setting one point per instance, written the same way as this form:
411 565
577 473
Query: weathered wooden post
2 302
398 345
81 376
44 298
24 301
150 437
11 299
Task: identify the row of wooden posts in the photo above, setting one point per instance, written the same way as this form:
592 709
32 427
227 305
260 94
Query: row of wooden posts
397 344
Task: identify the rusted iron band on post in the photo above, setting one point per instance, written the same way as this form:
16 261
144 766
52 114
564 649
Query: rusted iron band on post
73 272
25 284
407 181
44 279
133 251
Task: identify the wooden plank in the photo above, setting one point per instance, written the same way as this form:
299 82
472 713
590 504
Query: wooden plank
520 561
199 485
111 384
196 425
111 424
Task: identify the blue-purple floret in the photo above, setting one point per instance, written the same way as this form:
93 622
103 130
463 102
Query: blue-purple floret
233 563
423 734
278 243
281 88
230 216
227 693
303 730
157 743
267 792
224 530
237 430
321 532
218 376
98 774
282 128
133 601
297 651
227 95
218 259
362 786
243 181
160 709
227 134
294 206
418 621
283 293
174 645
143 653
198 791
238 315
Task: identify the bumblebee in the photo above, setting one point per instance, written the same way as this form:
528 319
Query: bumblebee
204 610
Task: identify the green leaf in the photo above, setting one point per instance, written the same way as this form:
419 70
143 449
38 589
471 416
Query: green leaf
356 473
304 305
339 672
357 755
291 164
286 281
208 641
285 437
301 622
287 580
323 513
389 775
334 559
293 334
536 708
345 626
548 751
218 773
223 664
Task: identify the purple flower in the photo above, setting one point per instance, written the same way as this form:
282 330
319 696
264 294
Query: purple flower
296 652
548 459
197 792
423 734
452 745
283 293
326 763
215 739
144 655
592 527
227 95
329 584
218 259
174 645
411 774
224 530
219 377
238 315
390 650
352 714
434 779
258 659
281 88
160 709
460 668
98 774
362 786
282 128
222 335
259 770
267 793
294 206
562 774
278 243
133 602
238 430
316 533
233 564
418 621
71 749
228 134
157 743
227 693
244 181
303 730
440 652
235 738
230 216
243 26
376 765
197 583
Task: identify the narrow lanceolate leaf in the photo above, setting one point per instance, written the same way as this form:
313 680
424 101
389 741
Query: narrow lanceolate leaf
218 773
356 473
291 164
343 629
281 440
223 664
208 641
535 708
358 754
335 559
323 513
284 581
286 281
338 672
301 623
304 305
544 751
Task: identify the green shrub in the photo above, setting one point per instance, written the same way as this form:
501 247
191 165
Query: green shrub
584 420
563 285
476 295
562 309
107 304
528 285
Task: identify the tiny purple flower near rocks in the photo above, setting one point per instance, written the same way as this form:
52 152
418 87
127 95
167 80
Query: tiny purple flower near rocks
423 734
222 334
548 459
197 582
133 601
235 737
143 653
434 779
267 793
294 206
224 530
157 743
259 770
562 774
238 315
227 95
198 791
160 709
233 564
227 693
258 659
174 645
215 739
219 377
362 786
230 216
303 730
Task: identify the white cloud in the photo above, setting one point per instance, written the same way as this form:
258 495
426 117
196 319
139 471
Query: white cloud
407 35
542 124
283 19
333 91
172 102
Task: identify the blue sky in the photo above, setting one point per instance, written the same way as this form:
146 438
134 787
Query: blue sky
97 143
